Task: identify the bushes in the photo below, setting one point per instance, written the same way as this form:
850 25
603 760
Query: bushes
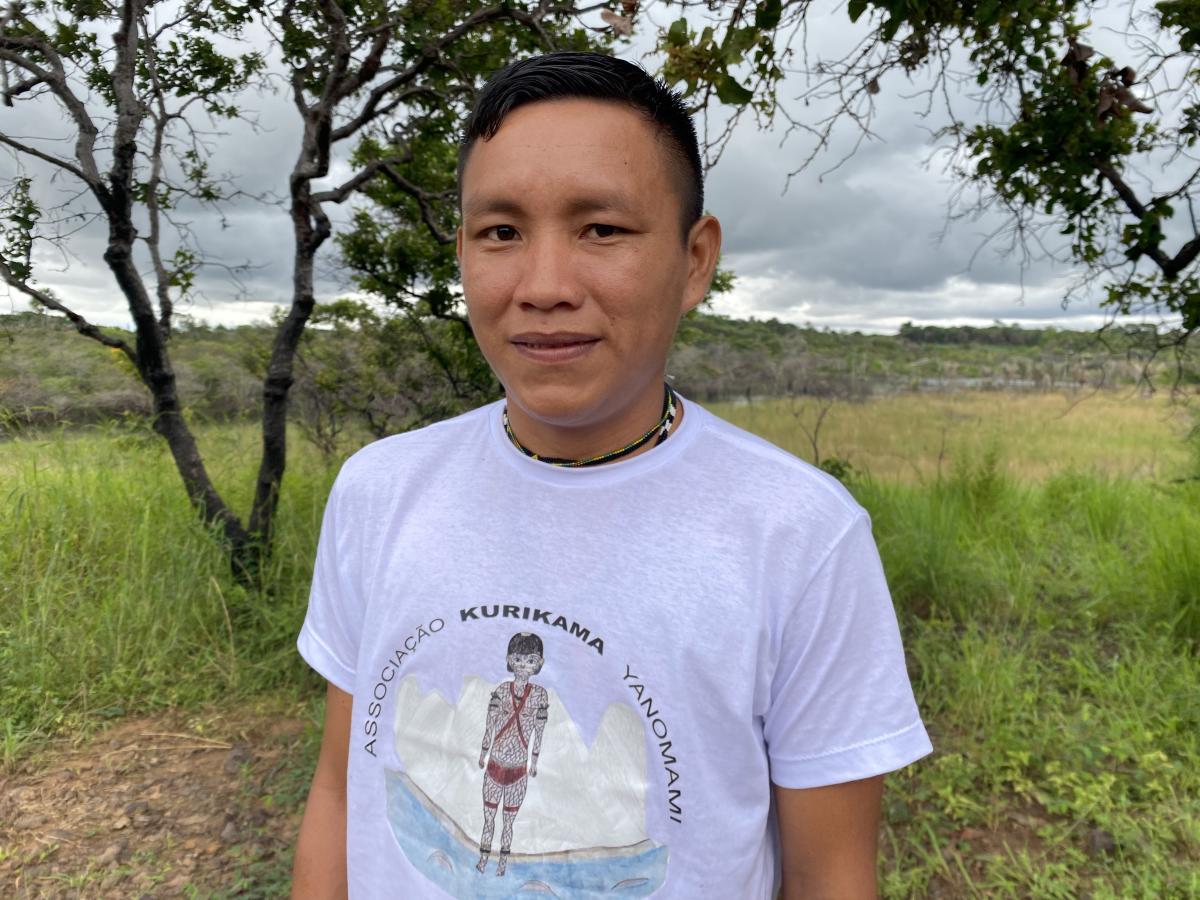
1051 633
113 597
1078 549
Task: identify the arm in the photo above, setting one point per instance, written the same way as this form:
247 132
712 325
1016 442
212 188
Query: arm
539 726
489 728
828 840
319 872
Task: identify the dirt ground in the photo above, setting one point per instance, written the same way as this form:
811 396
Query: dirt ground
167 806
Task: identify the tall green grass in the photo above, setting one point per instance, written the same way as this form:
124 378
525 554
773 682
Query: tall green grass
1081 551
1051 627
916 437
1052 633
113 596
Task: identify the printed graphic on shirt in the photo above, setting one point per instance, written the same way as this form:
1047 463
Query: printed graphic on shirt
516 709
502 796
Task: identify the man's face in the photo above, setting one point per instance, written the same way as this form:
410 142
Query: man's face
572 262
524 664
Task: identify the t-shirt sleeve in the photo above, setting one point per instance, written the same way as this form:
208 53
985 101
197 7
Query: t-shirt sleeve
841 707
329 638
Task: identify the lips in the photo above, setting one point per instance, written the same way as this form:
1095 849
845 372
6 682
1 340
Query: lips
554 347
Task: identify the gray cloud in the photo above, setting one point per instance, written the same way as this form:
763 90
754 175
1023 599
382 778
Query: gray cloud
857 248
878 222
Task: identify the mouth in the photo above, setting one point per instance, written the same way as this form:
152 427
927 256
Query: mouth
556 347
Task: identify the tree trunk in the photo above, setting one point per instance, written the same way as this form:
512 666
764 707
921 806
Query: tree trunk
278 383
153 359
310 229
154 367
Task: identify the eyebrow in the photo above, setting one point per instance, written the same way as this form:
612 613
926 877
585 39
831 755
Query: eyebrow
608 201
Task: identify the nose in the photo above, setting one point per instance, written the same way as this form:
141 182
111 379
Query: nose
546 280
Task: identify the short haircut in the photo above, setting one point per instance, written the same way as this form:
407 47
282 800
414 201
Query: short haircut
525 642
571 74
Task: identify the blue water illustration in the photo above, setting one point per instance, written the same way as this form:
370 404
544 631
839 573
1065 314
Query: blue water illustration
444 855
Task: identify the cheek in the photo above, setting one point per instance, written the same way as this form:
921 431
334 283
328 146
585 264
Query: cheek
487 285
486 301
629 280
627 269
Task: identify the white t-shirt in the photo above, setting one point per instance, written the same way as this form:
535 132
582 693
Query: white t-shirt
713 617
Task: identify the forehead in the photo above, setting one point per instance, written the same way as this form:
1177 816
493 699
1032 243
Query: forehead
564 156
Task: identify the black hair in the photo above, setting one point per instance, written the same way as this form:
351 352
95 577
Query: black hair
524 642
572 74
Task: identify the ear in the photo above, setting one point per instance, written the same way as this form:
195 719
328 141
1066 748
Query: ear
458 236
703 249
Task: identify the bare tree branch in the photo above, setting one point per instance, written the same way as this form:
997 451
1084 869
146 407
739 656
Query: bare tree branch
56 161
82 325
56 80
377 111
160 119
424 200
20 88
369 67
432 53
1171 266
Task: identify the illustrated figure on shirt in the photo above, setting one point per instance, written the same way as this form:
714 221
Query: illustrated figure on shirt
512 740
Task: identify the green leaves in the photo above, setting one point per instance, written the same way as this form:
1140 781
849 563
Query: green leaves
19 216
987 13
888 30
740 64
768 14
183 272
1059 116
677 34
729 91
1182 16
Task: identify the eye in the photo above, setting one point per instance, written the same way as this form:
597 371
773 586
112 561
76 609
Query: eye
504 233
604 231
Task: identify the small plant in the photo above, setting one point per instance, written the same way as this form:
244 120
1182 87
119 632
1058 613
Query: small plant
839 468
1193 445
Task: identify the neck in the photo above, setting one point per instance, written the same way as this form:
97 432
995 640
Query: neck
583 441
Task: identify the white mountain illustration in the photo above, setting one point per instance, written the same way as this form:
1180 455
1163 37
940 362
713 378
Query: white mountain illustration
581 797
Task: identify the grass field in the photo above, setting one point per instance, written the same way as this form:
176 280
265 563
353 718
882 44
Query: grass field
909 437
1046 572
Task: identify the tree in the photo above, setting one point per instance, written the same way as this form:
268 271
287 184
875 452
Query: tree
373 71
391 370
1090 155
145 85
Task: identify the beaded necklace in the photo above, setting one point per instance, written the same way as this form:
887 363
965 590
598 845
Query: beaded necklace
662 429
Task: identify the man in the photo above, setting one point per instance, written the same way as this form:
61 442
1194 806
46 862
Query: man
729 684
512 743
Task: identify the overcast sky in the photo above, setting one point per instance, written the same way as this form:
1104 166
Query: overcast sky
856 249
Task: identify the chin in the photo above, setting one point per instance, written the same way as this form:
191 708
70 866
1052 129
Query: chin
564 405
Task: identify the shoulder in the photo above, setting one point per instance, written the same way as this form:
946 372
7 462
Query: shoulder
399 456
757 473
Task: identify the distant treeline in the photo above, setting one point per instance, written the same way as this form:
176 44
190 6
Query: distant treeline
50 375
1016 336
719 358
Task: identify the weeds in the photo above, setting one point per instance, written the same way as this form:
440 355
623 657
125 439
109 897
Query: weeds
918 437
1052 629
115 597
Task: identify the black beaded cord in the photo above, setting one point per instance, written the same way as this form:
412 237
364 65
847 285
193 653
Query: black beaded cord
662 429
